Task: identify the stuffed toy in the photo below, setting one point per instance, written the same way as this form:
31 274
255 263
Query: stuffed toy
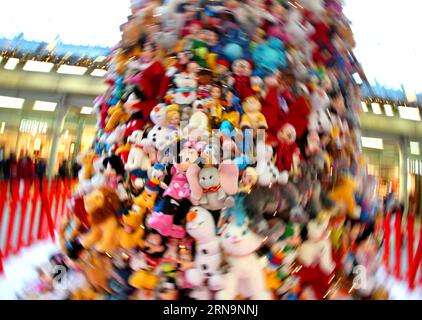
269 57
102 206
115 138
252 117
343 194
248 180
200 225
242 79
97 270
246 275
315 256
114 173
149 143
213 188
136 122
287 149
272 108
198 122
151 79
132 231
173 117
185 93
268 173
117 116
85 160
137 164
168 221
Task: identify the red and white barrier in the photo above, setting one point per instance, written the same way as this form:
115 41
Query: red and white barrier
414 258
29 215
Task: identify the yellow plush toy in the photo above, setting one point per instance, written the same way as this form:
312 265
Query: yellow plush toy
102 206
132 232
253 118
86 160
344 194
117 116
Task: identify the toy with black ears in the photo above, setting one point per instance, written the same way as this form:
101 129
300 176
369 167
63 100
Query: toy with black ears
315 255
114 173
208 258
176 198
246 275
138 162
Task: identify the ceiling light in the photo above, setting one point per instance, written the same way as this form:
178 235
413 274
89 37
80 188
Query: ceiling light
11 103
75 70
3 124
98 73
44 106
100 59
86 110
38 66
388 110
414 148
364 107
372 143
376 108
410 113
11 63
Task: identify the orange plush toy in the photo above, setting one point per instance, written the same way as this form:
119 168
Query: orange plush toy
102 206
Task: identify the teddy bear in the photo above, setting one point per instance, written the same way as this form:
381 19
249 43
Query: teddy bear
315 255
213 188
252 117
200 225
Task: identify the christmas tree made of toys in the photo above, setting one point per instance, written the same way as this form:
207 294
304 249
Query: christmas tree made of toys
227 153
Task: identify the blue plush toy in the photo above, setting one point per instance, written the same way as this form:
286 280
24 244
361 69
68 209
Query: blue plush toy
118 91
236 45
269 57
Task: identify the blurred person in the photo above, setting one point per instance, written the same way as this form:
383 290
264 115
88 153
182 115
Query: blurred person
40 170
25 168
75 169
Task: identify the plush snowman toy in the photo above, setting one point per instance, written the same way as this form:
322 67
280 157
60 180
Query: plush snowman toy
201 226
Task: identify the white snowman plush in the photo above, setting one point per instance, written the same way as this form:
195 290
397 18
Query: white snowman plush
246 275
201 226
138 161
267 172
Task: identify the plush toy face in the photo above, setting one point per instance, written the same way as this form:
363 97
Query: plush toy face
209 177
137 160
287 134
238 240
187 157
200 224
242 67
158 115
94 201
185 81
251 104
